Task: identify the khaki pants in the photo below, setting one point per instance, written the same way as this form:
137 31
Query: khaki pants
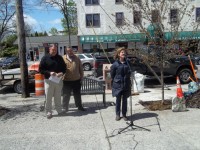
53 90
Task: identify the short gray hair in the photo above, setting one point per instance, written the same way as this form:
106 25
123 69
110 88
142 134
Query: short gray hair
52 44
69 47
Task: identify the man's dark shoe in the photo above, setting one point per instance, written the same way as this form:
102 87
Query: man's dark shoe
125 118
63 113
117 118
81 109
49 115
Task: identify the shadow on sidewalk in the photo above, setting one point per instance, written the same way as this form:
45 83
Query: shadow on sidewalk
148 115
21 111
91 108
138 116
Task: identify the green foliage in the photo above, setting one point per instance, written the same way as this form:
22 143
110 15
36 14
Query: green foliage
53 31
36 33
8 42
72 18
45 33
10 51
73 30
40 34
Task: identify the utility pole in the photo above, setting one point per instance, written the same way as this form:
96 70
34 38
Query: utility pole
22 48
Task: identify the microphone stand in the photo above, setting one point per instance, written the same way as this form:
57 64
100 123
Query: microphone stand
131 124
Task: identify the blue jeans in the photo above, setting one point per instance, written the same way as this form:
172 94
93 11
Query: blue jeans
121 97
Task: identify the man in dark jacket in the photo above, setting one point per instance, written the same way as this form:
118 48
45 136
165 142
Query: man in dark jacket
52 66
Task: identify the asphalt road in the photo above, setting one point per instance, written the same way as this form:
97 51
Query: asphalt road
148 83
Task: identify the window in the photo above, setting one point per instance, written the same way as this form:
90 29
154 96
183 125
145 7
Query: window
173 15
118 1
81 56
93 20
119 19
155 16
198 14
121 44
91 2
137 17
89 55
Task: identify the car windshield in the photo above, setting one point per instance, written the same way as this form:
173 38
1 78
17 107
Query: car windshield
9 59
88 55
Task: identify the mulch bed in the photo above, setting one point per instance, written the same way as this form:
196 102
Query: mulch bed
3 111
156 105
193 101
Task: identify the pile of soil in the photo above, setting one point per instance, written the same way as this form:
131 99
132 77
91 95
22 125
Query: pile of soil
156 105
193 100
3 111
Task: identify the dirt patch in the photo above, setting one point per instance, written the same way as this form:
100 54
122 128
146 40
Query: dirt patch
156 105
3 111
193 100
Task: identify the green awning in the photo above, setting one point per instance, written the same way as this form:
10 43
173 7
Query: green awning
184 35
136 37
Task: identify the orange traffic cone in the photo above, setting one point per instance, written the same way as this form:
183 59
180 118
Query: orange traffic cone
179 91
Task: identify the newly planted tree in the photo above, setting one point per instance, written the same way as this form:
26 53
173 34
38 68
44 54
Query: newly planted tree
165 24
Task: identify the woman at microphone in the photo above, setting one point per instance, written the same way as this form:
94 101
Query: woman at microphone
121 82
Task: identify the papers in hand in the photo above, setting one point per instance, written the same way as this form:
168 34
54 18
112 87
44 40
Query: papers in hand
55 79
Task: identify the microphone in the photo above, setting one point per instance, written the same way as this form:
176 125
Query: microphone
125 55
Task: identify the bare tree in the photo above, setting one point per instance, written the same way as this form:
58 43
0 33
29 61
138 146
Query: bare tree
64 8
161 22
27 28
7 11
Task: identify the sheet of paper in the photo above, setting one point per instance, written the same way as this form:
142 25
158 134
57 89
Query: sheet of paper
55 79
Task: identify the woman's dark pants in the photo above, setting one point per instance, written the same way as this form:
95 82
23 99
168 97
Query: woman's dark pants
121 97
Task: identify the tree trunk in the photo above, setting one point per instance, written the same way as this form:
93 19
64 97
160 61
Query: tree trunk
162 79
68 27
22 49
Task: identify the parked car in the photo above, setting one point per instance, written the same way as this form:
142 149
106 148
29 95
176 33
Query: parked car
2 59
197 58
11 63
14 77
86 60
177 66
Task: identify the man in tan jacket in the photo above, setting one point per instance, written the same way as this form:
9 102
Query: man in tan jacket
72 79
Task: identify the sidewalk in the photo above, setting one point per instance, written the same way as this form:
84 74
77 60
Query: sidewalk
26 127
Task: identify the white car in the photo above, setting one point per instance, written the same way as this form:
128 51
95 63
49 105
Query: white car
86 60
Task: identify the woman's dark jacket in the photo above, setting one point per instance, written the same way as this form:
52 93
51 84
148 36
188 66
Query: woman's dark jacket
51 64
120 74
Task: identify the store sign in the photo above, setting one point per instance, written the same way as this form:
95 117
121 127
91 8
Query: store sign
135 37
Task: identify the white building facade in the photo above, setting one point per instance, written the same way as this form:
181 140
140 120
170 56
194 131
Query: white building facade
37 47
107 24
